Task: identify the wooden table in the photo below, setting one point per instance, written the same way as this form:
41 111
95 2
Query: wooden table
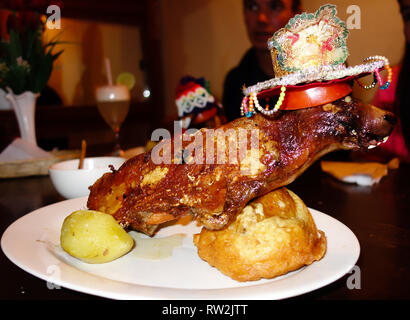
378 215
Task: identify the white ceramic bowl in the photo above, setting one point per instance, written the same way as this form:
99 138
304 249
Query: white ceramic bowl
72 182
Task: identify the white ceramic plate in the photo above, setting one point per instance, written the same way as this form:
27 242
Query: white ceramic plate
32 243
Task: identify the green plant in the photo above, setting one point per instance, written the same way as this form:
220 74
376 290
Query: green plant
26 61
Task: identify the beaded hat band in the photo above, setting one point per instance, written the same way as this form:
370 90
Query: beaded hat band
308 57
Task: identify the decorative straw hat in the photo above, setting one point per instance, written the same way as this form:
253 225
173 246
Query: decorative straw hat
308 57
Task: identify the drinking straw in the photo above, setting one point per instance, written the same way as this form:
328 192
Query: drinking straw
108 71
82 155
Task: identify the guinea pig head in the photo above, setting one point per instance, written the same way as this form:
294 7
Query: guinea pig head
359 125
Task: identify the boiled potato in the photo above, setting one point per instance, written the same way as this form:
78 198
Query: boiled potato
94 237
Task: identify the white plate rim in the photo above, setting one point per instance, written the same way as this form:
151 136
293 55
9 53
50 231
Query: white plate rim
305 281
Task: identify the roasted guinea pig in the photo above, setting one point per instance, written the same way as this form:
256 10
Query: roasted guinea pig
195 174
273 235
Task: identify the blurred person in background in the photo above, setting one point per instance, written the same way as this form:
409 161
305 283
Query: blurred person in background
262 19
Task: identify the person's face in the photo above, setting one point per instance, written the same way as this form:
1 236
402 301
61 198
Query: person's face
405 12
264 17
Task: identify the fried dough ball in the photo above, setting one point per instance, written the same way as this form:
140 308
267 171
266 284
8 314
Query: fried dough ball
273 235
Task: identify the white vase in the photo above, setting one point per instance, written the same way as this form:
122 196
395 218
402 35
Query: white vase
4 103
24 106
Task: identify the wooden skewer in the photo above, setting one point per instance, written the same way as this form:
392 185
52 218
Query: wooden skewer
82 155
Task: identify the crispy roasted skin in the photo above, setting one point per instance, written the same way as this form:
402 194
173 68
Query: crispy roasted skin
273 235
216 191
